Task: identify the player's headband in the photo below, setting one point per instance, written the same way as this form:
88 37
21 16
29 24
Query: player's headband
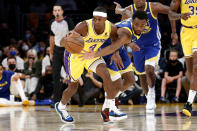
97 13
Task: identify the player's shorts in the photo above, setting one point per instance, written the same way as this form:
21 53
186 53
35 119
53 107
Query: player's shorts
74 66
189 40
113 71
148 55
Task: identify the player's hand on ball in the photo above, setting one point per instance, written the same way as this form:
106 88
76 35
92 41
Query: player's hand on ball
87 54
185 16
117 60
72 34
134 46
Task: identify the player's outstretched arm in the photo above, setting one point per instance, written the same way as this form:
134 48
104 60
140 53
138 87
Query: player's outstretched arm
124 36
125 12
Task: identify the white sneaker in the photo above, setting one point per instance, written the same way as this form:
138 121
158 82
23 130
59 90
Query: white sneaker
150 105
116 114
65 117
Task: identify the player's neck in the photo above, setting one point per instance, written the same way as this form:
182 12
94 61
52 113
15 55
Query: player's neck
99 31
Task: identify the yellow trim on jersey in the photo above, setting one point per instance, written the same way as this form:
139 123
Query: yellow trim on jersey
131 8
138 73
112 72
128 69
151 11
154 58
127 28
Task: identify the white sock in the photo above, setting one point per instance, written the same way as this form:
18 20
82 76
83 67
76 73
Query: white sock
19 87
152 90
191 96
61 106
116 95
108 103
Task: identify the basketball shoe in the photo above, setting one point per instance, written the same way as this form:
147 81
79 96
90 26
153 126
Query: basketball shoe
187 110
105 115
150 105
115 113
65 117
26 102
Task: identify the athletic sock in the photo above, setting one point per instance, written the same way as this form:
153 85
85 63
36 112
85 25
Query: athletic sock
191 96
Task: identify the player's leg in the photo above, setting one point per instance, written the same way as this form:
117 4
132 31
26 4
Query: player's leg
193 84
98 66
128 80
189 45
102 71
127 72
115 113
151 60
74 69
143 83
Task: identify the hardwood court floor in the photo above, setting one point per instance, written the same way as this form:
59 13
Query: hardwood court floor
87 118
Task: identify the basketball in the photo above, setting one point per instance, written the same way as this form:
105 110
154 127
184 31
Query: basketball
73 43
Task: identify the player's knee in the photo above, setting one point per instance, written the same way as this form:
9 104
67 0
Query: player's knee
149 69
73 87
103 72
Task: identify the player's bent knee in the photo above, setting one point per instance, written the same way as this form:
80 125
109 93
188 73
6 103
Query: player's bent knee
102 71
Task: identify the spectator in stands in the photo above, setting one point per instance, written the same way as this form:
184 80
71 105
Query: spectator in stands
89 90
44 89
32 71
173 74
13 53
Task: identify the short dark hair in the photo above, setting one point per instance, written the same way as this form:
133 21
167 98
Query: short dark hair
58 5
12 57
100 9
174 50
140 15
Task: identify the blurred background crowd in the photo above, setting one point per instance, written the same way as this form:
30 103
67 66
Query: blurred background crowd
24 48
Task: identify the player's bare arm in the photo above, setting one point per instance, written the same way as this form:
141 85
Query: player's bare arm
173 9
124 36
80 29
125 12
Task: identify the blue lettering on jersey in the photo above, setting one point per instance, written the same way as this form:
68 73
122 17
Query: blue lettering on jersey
190 1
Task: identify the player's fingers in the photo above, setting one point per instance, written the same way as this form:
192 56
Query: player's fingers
116 66
116 3
111 61
122 65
